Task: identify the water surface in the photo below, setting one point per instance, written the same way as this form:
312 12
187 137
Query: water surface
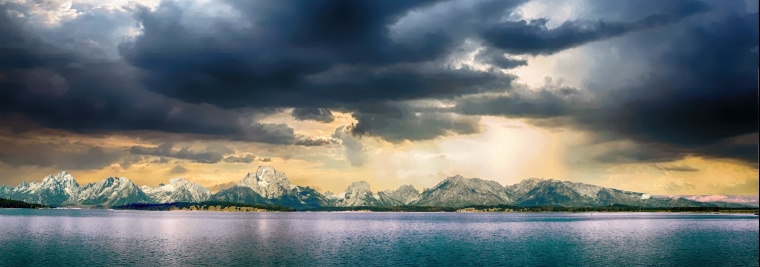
145 238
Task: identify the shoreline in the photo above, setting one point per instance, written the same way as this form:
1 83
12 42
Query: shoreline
255 210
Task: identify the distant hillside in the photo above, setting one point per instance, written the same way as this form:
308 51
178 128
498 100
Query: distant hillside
7 203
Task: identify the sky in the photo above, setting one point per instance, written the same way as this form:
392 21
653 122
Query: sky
649 96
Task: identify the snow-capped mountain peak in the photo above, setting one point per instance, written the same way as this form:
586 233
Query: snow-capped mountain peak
267 182
405 194
63 181
110 192
357 194
178 190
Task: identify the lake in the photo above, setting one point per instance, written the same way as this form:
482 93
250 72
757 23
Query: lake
145 238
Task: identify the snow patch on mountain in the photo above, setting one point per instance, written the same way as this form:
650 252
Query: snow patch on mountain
458 191
111 192
406 194
178 190
267 182
358 194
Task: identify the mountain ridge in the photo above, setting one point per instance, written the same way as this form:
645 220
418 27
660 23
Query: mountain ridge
268 186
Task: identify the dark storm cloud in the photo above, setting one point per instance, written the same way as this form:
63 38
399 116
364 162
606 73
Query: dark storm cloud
322 54
534 37
314 114
98 100
414 126
497 58
65 86
315 62
312 63
638 154
240 159
699 97
705 95
546 102
209 155
269 66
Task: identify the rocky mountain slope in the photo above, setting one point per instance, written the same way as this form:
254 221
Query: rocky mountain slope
178 190
62 190
457 191
358 194
112 191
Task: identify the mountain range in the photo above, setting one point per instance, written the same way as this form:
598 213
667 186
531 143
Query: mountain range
268 186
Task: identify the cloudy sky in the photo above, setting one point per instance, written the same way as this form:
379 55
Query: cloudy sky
646 95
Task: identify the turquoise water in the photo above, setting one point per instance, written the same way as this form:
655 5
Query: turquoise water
143 238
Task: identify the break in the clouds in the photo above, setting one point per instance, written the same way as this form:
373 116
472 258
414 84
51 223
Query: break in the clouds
671 79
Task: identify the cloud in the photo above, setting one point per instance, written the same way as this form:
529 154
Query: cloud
315 114
698 97
177 169
56 82
352 145
240 159
300 57
160 160
187 71
166 150
240 76
534 37
677 168
637 153
549 101
267 159
62 156
128 161
307 141
499 59
694 106
414 126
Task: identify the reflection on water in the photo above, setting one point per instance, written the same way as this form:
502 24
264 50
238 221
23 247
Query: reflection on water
103 237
